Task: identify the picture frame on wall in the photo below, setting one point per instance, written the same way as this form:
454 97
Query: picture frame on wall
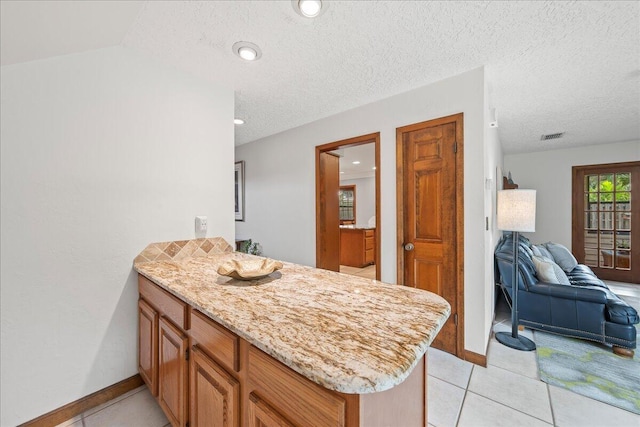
239 190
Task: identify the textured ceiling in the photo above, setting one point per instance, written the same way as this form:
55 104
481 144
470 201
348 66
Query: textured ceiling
31 30
552 66
569 67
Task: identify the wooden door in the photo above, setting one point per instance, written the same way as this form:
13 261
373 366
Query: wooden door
328 212
428 208
148 345
263 415
605 232
173 373
215 395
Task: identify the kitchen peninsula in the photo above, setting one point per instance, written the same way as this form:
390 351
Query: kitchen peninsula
301 346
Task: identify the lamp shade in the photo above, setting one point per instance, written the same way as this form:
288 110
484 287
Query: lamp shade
516 210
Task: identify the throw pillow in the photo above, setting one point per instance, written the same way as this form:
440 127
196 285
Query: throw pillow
562 256
544 251
550 272
525 248
536 251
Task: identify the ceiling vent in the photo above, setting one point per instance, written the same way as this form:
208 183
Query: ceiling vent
552 136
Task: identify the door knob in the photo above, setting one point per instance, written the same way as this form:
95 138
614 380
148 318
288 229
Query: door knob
408 247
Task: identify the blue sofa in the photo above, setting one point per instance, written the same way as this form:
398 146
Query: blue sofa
585 308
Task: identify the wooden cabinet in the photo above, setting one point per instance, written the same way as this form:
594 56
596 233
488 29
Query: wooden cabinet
205 375
148 345
301 401
173 373
357 246
163 349
263 415
215 395
219 342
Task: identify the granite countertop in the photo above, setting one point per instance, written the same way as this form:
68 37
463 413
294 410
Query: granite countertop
357 227
346 333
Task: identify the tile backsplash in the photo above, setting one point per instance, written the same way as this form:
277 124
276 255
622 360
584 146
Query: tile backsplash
180 249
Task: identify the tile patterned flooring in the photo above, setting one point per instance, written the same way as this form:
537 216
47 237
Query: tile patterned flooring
506 393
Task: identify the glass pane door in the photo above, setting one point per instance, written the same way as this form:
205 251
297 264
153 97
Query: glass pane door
607 220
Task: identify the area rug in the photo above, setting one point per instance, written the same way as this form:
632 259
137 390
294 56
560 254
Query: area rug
590 369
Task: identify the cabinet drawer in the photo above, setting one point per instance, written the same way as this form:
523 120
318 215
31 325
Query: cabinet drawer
168 305
368 256
216 340
368 233
302 401
368 243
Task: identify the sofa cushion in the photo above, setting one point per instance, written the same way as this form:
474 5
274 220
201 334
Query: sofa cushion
562 256
583 276
549 272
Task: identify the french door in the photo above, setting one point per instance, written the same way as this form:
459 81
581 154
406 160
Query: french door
606 219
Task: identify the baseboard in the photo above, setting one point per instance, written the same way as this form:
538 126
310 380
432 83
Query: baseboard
475 358
73 409
479 359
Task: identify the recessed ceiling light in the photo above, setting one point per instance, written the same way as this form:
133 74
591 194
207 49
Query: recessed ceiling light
356 162
247 51
341 171
238 121
309 8
374 168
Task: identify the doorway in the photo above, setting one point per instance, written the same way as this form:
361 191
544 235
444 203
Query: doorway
348 206
605 233
431 217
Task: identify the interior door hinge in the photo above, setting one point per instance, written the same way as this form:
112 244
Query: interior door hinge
455 147
186 354
455 319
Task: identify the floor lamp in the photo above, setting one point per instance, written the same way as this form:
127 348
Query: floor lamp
516 213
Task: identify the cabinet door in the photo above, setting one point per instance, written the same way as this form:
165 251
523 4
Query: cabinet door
263 415
173 373
215 395
300 400
148 345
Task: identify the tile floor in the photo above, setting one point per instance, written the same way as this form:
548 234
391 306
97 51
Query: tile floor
505 393
137 408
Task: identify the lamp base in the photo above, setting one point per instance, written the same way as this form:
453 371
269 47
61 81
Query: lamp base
519 342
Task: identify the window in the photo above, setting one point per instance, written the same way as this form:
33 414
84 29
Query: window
347 196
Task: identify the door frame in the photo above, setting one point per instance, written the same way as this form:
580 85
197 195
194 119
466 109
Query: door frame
400 213
577 218
372 138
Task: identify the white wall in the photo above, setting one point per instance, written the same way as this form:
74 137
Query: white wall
492 179
365 198
280 181
102 153
549 172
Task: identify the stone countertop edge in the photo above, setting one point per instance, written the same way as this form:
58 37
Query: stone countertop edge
353 380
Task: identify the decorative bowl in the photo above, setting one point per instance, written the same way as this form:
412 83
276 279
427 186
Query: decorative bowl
249 269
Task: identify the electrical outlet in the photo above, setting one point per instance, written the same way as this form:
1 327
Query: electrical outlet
201 224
